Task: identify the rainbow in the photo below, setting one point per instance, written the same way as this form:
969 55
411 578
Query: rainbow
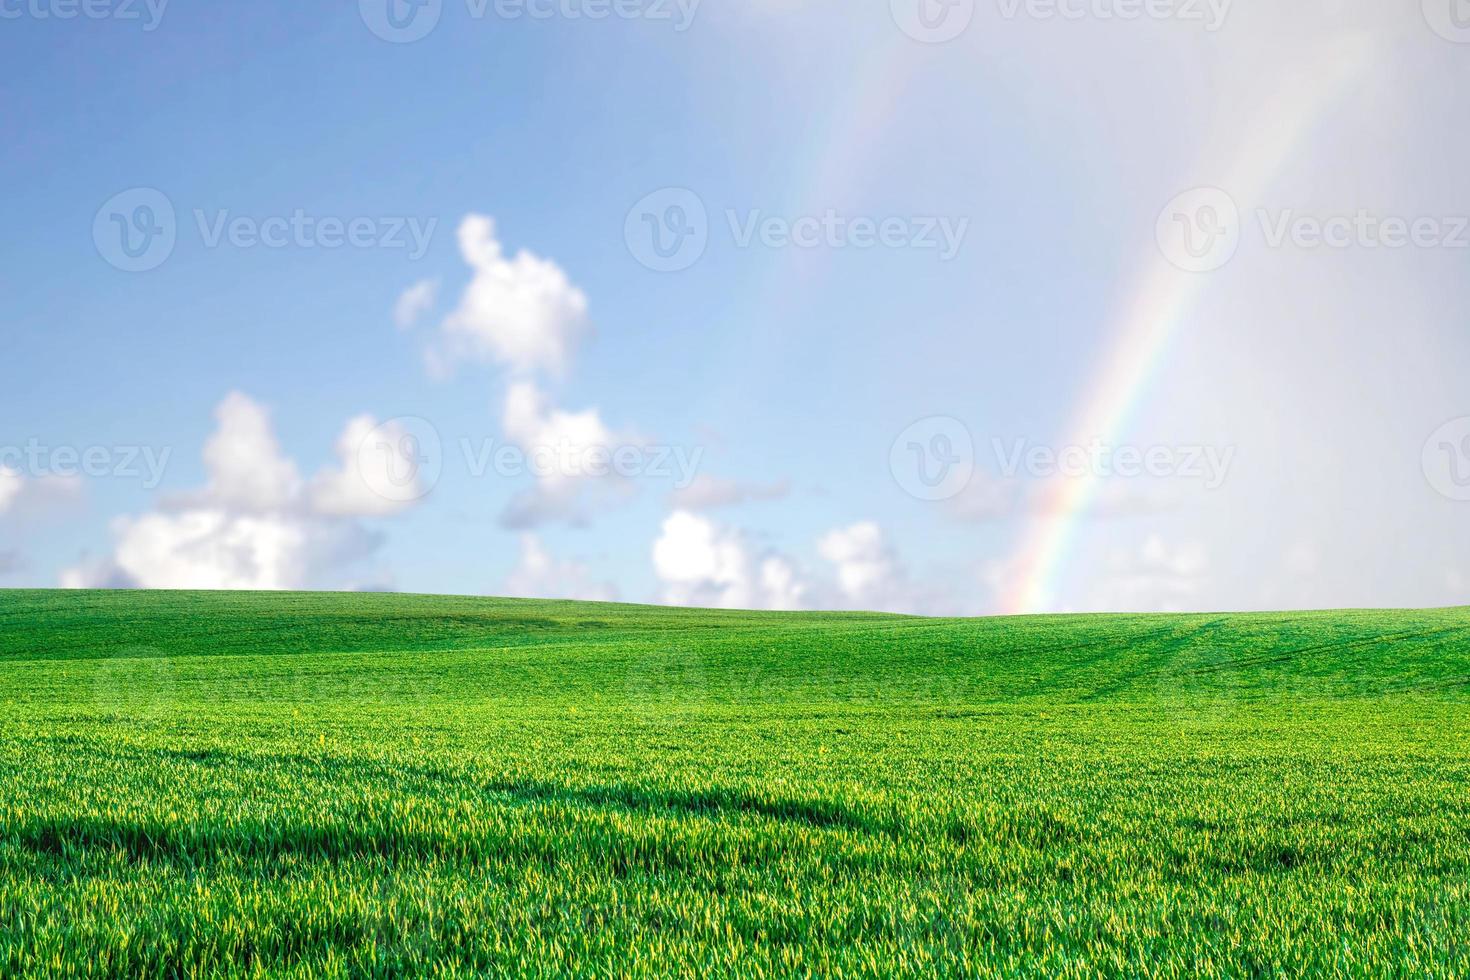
1158 307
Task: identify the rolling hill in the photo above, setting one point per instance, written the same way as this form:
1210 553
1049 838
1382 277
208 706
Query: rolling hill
350 784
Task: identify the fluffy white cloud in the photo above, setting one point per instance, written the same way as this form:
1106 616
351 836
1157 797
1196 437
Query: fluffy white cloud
203 548
568 452
539 575
709 492
31 496
10 487
701 563
23 500
781 585
869 575
256 525
522 312
355 487
414 302
244 461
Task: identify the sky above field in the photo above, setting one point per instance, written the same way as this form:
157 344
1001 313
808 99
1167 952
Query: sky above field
960 308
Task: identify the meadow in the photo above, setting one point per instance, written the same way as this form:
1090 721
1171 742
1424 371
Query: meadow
203 784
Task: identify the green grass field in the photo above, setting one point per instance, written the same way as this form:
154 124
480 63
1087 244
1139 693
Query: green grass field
198 784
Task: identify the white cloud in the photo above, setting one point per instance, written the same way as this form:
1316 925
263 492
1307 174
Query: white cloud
20 495
216 549
254 526
709 492
781 585
539 575
23 501
565 451
701 563
347 489
869 575
414 302
10 487
522 312
246 468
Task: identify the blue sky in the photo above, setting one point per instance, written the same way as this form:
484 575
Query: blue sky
1060 151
